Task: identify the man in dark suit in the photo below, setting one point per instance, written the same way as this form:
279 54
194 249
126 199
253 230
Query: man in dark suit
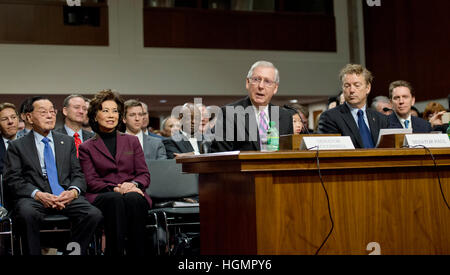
75 113
353 118
43 176
193 138
240 125
9 125
133 117
401 94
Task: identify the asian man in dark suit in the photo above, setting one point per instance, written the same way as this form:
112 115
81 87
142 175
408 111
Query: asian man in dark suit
401 94
250 116
43 176
353 118
75 113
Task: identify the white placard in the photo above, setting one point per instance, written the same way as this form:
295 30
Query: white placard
427 140
327 143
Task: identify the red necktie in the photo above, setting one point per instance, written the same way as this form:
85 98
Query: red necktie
76 136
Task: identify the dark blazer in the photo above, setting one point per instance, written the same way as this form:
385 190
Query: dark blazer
86 134
178 143
23 171
243 140
103 172
339 120
2 154
419 125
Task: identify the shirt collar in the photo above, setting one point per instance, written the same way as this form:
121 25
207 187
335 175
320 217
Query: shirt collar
39 137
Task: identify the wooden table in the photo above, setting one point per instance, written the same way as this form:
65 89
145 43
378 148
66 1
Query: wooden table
274 203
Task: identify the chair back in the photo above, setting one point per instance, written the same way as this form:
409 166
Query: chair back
169 182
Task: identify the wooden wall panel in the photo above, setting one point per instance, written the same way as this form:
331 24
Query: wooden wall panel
197 28
408 39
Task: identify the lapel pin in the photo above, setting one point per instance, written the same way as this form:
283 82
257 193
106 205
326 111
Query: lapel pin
62 142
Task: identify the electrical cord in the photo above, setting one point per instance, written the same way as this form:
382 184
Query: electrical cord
328 201
436 168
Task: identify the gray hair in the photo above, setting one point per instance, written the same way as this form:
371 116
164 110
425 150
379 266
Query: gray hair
67 99
378 99
264 64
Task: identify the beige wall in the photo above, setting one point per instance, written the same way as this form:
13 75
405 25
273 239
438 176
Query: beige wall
131 69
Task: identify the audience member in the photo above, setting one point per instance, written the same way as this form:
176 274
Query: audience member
415 112
300 119
153 147
402 97
146 121
382 104
24 109
353 118
250 116
86 125
75 113
433 113
9 122
117 176
170 125
43 176
189 140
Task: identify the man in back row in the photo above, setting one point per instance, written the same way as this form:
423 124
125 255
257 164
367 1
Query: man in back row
353 118
75 112
401 94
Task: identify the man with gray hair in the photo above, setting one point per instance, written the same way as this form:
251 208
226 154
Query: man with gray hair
382 104
75 113
243 124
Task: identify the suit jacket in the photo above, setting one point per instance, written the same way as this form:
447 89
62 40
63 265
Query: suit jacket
153 148
86 134
178 143
23 171
246 139
103 172
339 120
2 154
419 125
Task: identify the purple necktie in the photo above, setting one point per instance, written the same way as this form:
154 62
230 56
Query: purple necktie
262 126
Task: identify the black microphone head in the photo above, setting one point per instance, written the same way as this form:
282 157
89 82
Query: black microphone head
386 109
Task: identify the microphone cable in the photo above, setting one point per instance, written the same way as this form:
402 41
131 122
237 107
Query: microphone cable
436 169
328 201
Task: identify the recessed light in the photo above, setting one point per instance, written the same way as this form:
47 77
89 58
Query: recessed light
293 101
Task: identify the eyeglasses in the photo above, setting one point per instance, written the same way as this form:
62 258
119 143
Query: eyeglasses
43 113
258 80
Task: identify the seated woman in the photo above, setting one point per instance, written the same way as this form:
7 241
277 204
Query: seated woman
116 176
433 113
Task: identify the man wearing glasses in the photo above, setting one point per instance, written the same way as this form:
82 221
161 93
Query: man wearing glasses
353 118
243 124
43 175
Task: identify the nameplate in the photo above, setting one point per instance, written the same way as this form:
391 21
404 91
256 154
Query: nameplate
327 143
427 140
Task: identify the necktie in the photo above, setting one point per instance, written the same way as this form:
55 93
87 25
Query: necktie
364 131
76 136
50 165
262 127
406 124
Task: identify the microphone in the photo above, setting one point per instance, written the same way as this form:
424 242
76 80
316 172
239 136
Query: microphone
295 110
386 109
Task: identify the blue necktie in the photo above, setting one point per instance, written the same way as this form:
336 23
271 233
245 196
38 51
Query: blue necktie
364 131
406 124
50 166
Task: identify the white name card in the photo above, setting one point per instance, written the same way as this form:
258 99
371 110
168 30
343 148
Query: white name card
427 140
327 143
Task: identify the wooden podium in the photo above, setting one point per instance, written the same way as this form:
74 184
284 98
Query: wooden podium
274 203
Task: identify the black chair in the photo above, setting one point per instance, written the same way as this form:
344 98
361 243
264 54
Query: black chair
169 186
6 226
